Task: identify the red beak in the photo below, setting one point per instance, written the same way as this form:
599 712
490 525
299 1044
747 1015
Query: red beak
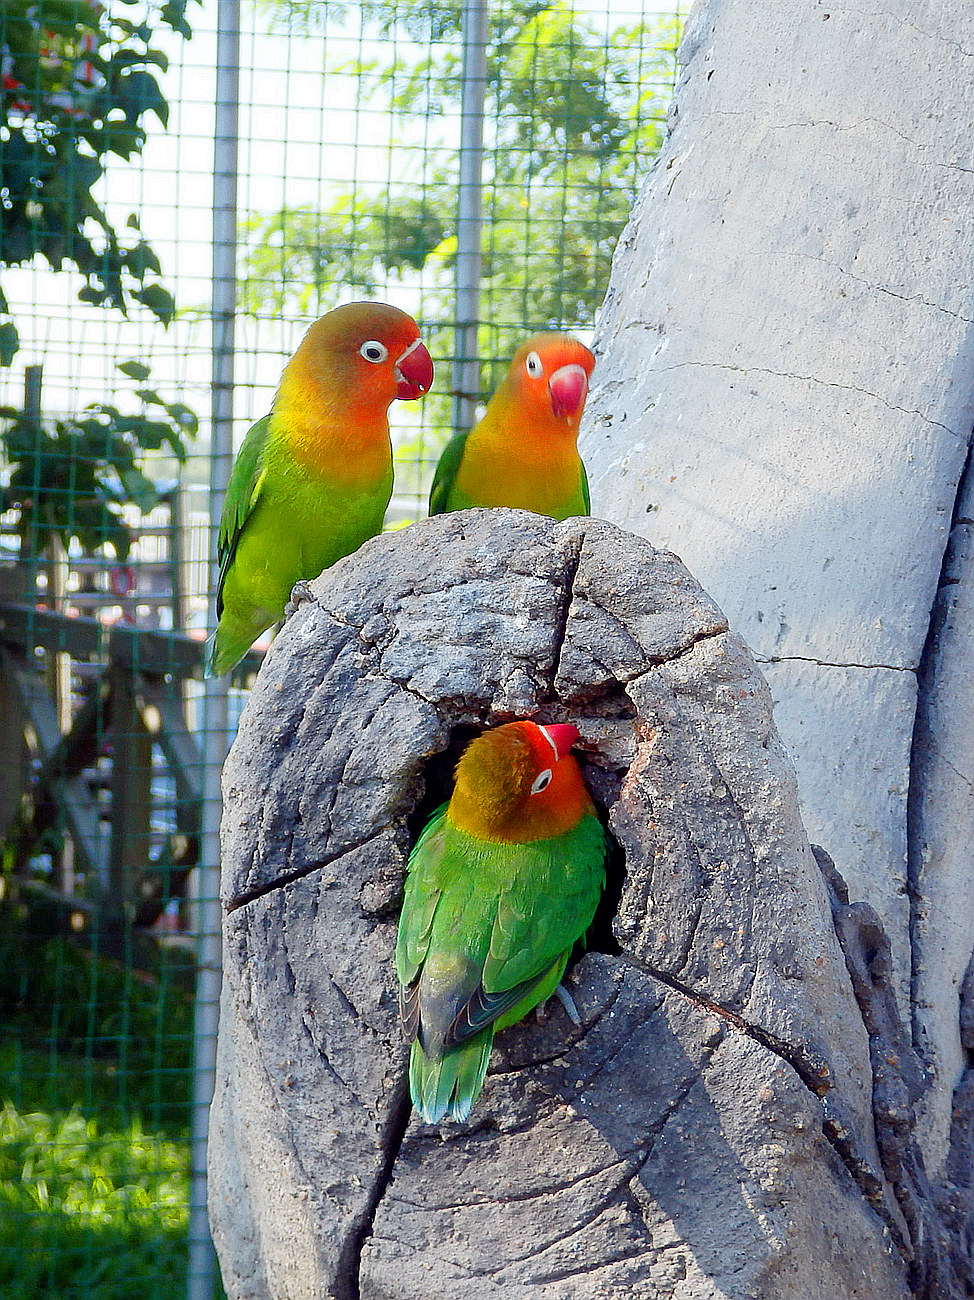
561 736
414 372
568 387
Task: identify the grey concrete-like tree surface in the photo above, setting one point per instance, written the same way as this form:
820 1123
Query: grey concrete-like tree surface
734 1115
784 397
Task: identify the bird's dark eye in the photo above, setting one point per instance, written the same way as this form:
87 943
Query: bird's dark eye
541 780
533 365
374 351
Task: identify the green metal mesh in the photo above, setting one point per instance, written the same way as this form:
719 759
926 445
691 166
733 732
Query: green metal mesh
349 127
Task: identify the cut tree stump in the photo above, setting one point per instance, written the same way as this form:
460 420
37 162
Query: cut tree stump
733 1116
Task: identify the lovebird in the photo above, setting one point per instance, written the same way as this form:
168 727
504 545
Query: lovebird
502 883
524 452
313 478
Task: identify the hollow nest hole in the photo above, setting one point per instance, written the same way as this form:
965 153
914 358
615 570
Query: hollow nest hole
603 774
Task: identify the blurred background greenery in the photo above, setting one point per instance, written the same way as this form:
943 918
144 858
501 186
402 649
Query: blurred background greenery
347 188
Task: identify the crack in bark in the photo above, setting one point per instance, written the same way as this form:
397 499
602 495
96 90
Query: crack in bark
926 680
810 1073
561 630
427 1253
811 379
299 873
585 1082
938 1218
347 1279
316 1050
655 662
570 1045
859 279
588 1270
815 1077
512 1198
828 663
607 1202
905 22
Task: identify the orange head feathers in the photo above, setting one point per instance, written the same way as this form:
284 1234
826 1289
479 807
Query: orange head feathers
519 783
365 354
523 453
548 379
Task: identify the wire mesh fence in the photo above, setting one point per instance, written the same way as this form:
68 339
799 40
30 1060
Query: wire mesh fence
350 153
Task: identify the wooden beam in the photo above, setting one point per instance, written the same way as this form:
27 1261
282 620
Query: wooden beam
68 792
159 654
26 626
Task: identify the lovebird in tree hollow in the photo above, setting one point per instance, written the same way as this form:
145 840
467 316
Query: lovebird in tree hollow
502 883
524 452
313 479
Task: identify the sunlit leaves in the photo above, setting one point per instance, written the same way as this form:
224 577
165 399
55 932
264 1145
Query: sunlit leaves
574 117
309 257
74 477
79 85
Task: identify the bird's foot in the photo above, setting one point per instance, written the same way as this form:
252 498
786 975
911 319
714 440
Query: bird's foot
301 594
565 998
571 1011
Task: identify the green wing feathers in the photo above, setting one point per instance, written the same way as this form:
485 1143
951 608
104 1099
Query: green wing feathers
228 643
446 472
485 934
243 491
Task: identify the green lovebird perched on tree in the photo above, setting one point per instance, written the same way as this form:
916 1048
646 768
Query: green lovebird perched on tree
313 479
524 452
502 883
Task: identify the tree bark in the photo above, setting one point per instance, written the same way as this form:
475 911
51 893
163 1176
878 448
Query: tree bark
784 399
734 1116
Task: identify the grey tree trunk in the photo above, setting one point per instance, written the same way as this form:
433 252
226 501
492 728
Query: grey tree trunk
785 400
766 1097
733 1118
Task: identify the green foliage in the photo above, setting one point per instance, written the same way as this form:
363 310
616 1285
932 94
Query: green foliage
87 1210
574 117
79 83
73 477
365 240
126 1034
94 1159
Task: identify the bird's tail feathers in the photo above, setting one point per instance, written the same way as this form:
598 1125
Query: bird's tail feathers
451 1084
209 655
226 646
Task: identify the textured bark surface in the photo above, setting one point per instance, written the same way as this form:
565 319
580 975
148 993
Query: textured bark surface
784 397
711 1127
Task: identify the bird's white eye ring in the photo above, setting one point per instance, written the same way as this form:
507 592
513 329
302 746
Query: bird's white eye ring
542 780
374 351
533 365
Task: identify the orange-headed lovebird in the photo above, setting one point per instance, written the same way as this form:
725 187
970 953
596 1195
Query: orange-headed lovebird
313 479
501 884
524 452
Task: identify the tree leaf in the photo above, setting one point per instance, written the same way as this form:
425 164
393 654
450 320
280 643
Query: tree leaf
158 300
137 93
141 259
134 370
141 491
9 342
184 417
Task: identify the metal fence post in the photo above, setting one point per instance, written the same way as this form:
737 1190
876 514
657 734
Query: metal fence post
466 376
202 1262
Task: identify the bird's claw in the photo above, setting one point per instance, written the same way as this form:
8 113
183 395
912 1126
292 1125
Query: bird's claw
565 998
301 594
571 1011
